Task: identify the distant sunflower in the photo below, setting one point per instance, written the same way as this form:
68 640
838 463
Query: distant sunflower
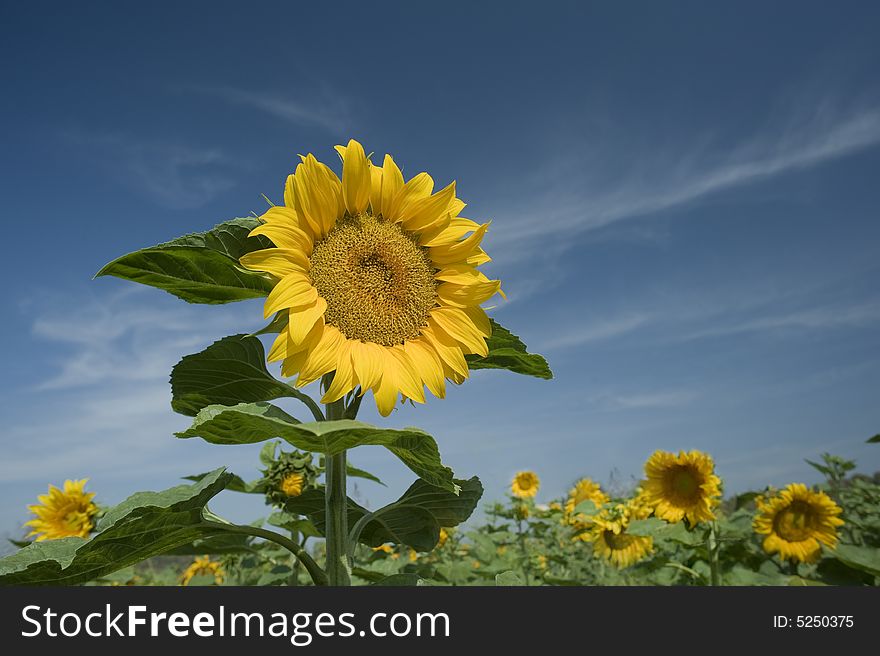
585 490
203 566
377 277
444 536
525 485
797 521
613 543
63 513
682 486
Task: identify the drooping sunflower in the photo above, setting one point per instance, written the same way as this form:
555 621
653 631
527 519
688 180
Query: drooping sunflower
585 490
682 486
378 278
63 513
203 566
525 485
797 521
612 542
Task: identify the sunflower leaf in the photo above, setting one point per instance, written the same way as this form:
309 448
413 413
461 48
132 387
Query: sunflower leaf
415 519
860 558
201 267
249 423
230 371
507 351
144 525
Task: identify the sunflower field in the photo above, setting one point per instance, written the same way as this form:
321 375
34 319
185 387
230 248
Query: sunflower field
372 284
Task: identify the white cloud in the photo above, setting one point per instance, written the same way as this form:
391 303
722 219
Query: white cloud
573 203
599 330
322 108
173 175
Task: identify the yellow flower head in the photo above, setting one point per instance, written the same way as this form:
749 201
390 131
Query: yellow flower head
613 543
444 536
292 484
585 490
63 513
796 522
525 485
413 555
377 277
203 566
384 548
682 486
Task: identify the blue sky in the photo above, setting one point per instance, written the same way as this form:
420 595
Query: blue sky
684 203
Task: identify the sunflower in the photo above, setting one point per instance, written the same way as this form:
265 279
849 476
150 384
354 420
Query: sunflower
203 566
444 536
585 490
63 514
378 280
682 486
292 485
796 520
612 542
525 485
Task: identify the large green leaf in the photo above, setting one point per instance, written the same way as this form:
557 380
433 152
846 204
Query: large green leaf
874 440
230 371
144 525
415 519
201 267
506 351
248 423
866 559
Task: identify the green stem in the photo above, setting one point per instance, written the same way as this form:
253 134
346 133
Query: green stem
293 579
335 506
712 545
525 554
317 574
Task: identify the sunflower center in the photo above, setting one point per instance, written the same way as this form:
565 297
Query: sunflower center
378 282
795 523
617 541
683 484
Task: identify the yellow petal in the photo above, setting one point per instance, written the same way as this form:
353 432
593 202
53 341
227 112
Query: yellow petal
386 391
295 290
408 379
458 227
285 235
480 319
303 319
447 348
342 378
367 359
459 251
277 261
427 364
315 196
279 348
424 213
356 179
466 295
392 182
457 325
416 189
321 358
461 274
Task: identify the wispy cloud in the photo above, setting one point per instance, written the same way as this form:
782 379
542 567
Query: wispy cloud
173 175
322 108
597 331
573 205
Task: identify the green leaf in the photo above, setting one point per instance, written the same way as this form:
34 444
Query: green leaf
506 351
249 423
360 473
230 371
400 580
236 483
865 559
293 523
201 267
874 440
508 579
144 525
661 530
651 526
414 520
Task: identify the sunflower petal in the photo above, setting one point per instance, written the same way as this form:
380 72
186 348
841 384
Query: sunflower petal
356 179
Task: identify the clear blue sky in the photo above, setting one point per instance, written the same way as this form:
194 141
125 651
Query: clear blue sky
684 201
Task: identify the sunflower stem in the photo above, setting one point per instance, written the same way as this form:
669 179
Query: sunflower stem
712 544
335 506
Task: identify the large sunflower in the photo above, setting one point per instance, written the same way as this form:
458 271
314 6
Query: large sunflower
682 486
63 513
797 521
525 485
612 542
378 278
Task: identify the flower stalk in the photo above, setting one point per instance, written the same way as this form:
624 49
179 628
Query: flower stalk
335 502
